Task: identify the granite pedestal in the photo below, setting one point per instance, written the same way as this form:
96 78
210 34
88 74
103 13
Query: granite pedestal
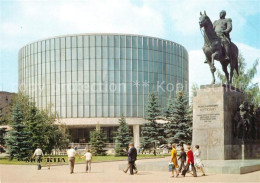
213 110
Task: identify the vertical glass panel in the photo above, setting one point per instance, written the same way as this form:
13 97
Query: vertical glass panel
134 42
145 56
111 41
104 52
104 40
122 53
62 42
92 52
98 64
128 41
122 64
80 43
57 43
128 65
62 54
117 53
111 78
104 64
140 42
80 53
134 65
128 77
98 52
116 78
160 45
80 65
52 55
128 53
140 54
92 64
111 64
122 76
86 41
80 79
68 65
122 41
116 41
43 46
145 43
86 52
74 42
74 53
68 54
92 77
98 40
111 52
39 47
68 42
74 65
117 64
92 41
134 53
47 45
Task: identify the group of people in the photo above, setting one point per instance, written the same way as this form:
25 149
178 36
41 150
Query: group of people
71 152
71 157
188 160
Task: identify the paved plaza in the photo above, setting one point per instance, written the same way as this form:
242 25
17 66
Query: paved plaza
108 172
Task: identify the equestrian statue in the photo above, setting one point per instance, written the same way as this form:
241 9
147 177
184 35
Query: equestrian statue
218 45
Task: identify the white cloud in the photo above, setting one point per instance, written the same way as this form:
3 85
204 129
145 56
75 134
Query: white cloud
40 19
185 13
200 73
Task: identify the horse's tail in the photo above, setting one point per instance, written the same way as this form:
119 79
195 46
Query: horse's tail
235 57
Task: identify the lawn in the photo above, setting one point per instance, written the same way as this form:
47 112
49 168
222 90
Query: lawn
5 160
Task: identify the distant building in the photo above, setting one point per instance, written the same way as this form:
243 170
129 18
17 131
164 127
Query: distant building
92 79
6 101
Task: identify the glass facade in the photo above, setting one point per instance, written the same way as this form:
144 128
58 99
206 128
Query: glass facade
101 75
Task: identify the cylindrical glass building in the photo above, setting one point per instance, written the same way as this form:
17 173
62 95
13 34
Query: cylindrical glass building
94 78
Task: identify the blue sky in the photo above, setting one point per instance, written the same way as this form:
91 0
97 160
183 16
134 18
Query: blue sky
24 21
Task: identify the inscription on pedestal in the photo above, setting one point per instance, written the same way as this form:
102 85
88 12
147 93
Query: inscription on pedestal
208 113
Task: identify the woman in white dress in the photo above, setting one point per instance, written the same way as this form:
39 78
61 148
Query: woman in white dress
197 159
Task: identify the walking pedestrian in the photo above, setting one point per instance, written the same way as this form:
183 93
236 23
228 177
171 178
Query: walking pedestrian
174 161
197 159
38 154
71 157
88 156
190 162
128 167
182 157
132 155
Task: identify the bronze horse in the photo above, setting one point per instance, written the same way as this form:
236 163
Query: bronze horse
214 50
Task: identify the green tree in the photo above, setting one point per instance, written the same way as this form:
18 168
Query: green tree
244 81
151 136
18 138
2 135
171 126
43 130
180 122
40 126
97 142
123 137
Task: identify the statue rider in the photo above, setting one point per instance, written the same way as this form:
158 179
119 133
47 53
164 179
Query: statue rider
223 27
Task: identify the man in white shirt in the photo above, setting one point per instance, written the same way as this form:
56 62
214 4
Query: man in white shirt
88 156
71 156
38 154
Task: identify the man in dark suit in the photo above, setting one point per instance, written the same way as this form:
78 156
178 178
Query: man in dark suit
132 154
182 157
